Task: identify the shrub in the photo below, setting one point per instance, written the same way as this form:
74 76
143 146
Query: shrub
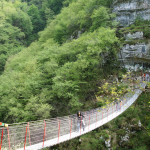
147 32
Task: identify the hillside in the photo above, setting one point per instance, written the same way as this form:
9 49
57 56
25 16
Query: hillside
58 56
20 21
63 68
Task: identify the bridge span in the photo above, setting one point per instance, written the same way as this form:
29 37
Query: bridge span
39 134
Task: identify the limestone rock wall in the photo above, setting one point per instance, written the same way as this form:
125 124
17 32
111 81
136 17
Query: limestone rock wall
136 35
138 48
128 10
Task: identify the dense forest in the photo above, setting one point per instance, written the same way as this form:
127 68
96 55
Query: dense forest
62 68
20 23
54 55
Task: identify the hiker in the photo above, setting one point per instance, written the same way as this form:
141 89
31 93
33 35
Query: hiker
117 105
147 77
80 121
143 76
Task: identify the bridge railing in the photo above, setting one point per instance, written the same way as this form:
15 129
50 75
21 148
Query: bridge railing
25 134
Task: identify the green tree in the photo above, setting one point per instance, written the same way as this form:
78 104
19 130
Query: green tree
83 15
10 40
57 71
33 12
100 17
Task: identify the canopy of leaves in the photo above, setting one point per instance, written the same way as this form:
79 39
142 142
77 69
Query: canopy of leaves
11 35
19 25
50 76
83 16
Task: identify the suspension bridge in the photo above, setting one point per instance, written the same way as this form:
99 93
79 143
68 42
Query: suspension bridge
40 134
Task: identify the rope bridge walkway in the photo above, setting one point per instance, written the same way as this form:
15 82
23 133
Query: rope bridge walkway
36 135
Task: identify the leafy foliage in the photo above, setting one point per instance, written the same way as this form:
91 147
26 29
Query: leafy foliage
11 36
113 90
51 76
83 16
19 25
61 72
55 76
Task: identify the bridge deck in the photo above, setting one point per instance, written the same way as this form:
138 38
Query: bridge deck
89 128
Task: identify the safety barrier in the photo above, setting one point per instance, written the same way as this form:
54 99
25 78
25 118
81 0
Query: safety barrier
36 135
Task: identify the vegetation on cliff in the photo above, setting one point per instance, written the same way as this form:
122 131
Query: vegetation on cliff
62 69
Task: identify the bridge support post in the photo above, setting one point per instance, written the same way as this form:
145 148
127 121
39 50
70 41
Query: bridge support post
58 130
44 132
80 125
25 137
89 122
96 119
8 137
120 105
107 113
1 138
29 134
102 117
70 128
112 109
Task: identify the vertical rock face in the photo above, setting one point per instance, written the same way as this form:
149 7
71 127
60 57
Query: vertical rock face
139 51
136 35
128 10
137 47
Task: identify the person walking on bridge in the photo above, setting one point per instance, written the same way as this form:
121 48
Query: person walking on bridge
80 121
147 77
143 77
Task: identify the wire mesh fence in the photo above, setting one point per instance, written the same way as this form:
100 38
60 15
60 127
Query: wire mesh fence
21 135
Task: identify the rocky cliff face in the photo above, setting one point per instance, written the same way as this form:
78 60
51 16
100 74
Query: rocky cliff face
134 55
139 49
136 47
128 10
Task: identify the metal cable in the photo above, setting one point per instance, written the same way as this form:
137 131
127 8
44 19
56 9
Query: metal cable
56 127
